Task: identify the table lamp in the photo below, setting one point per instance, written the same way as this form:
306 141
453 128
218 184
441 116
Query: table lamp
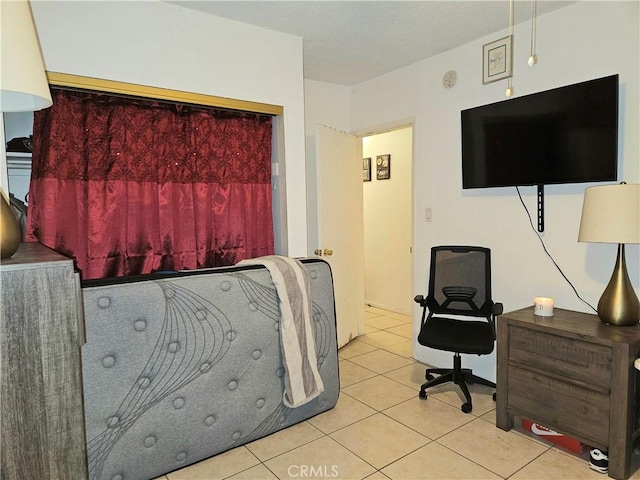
23 88
611 214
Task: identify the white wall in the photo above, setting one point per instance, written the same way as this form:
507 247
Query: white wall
576 43
387 223
163 45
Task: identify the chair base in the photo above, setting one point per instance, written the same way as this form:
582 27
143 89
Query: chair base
460 376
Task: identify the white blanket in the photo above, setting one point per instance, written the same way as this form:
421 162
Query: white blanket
289 276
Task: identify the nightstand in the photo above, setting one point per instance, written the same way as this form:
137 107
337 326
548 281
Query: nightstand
572 374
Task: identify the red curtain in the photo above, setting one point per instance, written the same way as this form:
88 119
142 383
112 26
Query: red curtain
129 186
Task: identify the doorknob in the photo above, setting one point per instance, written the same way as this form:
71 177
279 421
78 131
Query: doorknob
318 252
327 252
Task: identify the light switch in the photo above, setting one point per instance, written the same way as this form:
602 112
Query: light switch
427 214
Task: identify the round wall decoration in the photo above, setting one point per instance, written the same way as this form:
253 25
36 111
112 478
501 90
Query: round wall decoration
449 79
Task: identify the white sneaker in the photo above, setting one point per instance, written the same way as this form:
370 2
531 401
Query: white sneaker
599 460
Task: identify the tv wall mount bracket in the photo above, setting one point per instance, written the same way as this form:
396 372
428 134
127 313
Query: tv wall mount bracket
540 208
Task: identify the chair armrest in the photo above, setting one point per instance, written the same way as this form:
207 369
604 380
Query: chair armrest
497 309
419 299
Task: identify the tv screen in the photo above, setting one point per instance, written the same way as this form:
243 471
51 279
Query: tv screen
565 135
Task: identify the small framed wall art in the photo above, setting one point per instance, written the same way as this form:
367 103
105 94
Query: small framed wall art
496 60
366 169
383 167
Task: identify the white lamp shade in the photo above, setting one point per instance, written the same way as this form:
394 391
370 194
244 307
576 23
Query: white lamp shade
23 82
611 214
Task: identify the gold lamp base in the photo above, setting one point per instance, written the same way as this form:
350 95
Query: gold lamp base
619 304
9 229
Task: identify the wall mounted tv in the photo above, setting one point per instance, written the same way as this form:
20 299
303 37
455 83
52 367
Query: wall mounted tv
564 135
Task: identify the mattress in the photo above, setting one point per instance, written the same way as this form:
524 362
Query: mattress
179 367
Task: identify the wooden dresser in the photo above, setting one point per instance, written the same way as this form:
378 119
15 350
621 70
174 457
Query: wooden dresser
572 374
42 414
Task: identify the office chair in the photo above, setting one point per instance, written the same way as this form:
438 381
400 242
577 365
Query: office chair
459 286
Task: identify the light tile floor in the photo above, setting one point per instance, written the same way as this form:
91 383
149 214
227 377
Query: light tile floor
380 429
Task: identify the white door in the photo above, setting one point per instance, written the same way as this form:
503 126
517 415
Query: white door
340 225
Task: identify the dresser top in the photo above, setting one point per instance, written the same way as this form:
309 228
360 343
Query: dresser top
574 324
33 255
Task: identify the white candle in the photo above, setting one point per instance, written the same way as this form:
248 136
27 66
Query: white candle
543 306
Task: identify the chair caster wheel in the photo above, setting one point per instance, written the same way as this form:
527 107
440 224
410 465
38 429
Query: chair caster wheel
466 407
428 376
494 396
422 395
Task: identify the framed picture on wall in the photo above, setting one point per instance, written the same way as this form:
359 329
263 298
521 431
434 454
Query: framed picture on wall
496 60
366 169
383 167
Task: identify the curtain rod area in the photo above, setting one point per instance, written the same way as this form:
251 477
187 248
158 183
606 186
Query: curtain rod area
144 91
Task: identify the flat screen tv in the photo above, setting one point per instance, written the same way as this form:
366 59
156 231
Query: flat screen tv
564 135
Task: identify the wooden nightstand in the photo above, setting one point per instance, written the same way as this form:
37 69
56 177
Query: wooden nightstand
572 374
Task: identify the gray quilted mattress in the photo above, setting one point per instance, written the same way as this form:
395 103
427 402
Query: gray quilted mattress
182 366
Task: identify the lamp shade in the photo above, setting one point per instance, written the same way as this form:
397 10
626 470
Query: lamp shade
611 214
23 82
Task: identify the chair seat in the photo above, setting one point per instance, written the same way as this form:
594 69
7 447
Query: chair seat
461 336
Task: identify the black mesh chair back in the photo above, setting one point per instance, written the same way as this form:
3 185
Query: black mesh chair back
458 313
460 281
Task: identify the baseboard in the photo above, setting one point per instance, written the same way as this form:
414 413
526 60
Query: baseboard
386 307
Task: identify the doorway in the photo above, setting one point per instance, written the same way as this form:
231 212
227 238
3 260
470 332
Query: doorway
388 219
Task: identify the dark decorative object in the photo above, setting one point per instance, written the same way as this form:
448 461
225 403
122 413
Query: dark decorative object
20 144
383 167
366 169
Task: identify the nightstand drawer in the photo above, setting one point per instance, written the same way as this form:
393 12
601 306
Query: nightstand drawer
573 359
560 405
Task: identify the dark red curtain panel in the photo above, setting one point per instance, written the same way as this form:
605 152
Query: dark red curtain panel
128 186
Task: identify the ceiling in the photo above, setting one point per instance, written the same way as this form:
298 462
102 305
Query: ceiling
348 42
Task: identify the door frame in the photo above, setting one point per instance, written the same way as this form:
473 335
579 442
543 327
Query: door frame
387 127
